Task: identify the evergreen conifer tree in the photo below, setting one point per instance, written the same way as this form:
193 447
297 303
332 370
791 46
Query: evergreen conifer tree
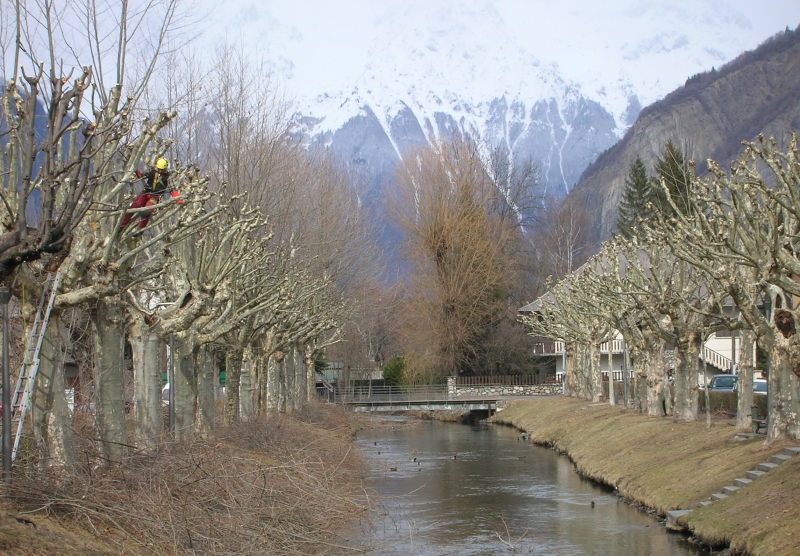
634 204
674 169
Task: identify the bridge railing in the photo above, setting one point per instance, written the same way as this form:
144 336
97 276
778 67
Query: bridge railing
393 394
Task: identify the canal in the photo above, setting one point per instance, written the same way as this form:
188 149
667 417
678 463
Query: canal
457 489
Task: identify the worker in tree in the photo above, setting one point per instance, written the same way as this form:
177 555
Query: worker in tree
156 184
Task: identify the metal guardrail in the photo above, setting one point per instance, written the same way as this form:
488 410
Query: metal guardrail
391 394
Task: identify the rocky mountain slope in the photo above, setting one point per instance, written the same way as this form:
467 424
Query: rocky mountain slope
758 92
553 84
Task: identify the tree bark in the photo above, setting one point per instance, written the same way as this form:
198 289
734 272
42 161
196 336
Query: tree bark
147 349
49 411
594 369
656 375
247 386
784 394
109 341
300 375
185 386
289 377
571 374
206 370
233 370
275 381
687 354
744 418
611 398
309 356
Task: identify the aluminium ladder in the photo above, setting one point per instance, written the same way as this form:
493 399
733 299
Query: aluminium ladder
30 363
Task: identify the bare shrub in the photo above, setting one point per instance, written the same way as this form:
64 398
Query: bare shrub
276 485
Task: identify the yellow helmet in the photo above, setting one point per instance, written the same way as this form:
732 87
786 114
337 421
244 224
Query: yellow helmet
161 164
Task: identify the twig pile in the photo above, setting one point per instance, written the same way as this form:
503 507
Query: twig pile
270 486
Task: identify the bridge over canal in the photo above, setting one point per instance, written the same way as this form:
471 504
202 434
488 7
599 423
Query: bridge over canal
472 394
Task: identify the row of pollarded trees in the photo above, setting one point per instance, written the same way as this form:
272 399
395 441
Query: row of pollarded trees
250 262
719 253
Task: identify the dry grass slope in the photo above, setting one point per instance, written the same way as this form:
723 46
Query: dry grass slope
281 485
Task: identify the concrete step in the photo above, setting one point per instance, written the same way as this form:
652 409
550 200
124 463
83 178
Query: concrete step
719 496
672 519
792 451
766 466
730 489
742 482
754 474
779 458
706 502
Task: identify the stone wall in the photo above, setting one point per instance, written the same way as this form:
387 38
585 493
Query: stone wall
455 391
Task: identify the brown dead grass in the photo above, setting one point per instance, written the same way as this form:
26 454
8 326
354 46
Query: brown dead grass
278 485
667 465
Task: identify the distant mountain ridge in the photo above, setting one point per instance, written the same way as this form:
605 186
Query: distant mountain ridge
561 99
758 92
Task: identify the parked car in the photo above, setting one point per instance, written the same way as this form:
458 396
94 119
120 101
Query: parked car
723 383
760 386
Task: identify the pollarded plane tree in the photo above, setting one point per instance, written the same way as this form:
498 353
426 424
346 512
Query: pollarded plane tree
105 262
746 239
588 320
290 346
561 315
71 140
672 299
235 266
62 125
611 294
174 303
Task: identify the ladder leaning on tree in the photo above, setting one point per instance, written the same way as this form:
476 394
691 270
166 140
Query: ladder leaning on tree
21 399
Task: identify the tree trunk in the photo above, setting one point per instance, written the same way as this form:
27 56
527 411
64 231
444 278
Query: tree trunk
109 341
309 355
300 377
595 372
635 365
588 381
147 347
49 410
687 355
274 381
570 373
233 370
206 370
611 398
185 386
656 375
247 385
783 389
262 397
289 376
744 418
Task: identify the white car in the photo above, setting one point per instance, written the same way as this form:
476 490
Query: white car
760 386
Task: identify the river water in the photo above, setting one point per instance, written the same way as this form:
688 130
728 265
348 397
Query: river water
480 489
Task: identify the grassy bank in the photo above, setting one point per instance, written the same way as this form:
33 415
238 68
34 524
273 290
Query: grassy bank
667 465
281 485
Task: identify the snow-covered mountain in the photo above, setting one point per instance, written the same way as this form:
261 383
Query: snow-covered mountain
559 82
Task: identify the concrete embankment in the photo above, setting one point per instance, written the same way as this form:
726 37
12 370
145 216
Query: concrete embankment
676 466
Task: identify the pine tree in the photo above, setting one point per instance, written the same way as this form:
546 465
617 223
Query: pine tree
634 205
674 169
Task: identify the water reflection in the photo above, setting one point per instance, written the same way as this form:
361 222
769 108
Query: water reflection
457 489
